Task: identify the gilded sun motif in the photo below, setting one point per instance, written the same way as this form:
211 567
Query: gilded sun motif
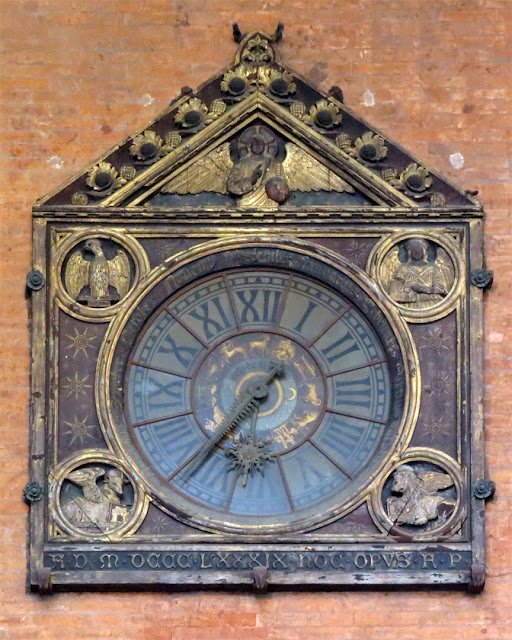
79 430
76 386
435 341
80 342
440 385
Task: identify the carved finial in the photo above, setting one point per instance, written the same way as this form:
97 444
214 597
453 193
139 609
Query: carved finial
336 92
237 34
278 33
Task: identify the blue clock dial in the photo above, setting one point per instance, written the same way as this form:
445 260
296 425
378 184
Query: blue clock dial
260 395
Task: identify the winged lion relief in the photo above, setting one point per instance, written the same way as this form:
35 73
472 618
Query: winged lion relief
418 496
258 169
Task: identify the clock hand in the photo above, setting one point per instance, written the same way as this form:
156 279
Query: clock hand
241 408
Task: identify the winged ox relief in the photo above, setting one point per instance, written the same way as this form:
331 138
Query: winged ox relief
94 280
258 170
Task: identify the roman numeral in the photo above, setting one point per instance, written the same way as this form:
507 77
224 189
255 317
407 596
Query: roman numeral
311 306
211 327
164 394
259 305
342 347
342 436
183 354
349 392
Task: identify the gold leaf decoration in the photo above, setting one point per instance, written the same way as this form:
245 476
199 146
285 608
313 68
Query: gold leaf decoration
146 146
191 113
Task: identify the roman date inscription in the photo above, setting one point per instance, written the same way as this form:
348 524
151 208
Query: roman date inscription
284 561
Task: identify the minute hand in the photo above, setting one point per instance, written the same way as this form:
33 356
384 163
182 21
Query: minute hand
240 409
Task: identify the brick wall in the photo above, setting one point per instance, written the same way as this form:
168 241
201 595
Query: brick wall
78 77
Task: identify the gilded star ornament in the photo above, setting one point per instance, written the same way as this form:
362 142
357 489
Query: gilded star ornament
435 341
249 455
160 524
80 342
76 386
441 384
79 430
356 250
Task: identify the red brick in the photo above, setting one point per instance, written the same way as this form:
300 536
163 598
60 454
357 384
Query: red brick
73 76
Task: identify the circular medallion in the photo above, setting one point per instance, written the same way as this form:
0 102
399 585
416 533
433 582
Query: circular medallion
419 498
98 272
421 275
263 387
93 496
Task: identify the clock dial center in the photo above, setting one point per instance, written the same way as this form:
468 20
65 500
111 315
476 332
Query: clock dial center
291 404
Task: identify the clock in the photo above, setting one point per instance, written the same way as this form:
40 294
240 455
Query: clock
257 389
257 353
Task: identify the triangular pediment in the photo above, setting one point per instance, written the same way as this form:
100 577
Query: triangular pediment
257 136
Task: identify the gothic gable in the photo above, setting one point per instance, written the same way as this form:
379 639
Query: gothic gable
257 136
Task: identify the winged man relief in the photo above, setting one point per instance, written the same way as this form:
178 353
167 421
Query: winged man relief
260 176
97 281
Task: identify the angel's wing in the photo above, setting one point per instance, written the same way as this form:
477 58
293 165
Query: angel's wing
86 478
119 273
390 266
208 173
434 481
305 173
77 274
445 266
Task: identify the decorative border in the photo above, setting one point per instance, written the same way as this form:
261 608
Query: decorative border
75 309
438 310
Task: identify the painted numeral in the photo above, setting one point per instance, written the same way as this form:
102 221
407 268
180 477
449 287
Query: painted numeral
259 305
211 327
183 354
311 306
165 394
340 348
349 392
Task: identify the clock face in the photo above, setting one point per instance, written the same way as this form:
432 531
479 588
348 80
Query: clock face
260 399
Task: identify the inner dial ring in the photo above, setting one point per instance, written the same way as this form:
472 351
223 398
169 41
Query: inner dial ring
294 405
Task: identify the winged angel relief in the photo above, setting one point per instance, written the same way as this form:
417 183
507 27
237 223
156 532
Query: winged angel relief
418 274
97 281
260 176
